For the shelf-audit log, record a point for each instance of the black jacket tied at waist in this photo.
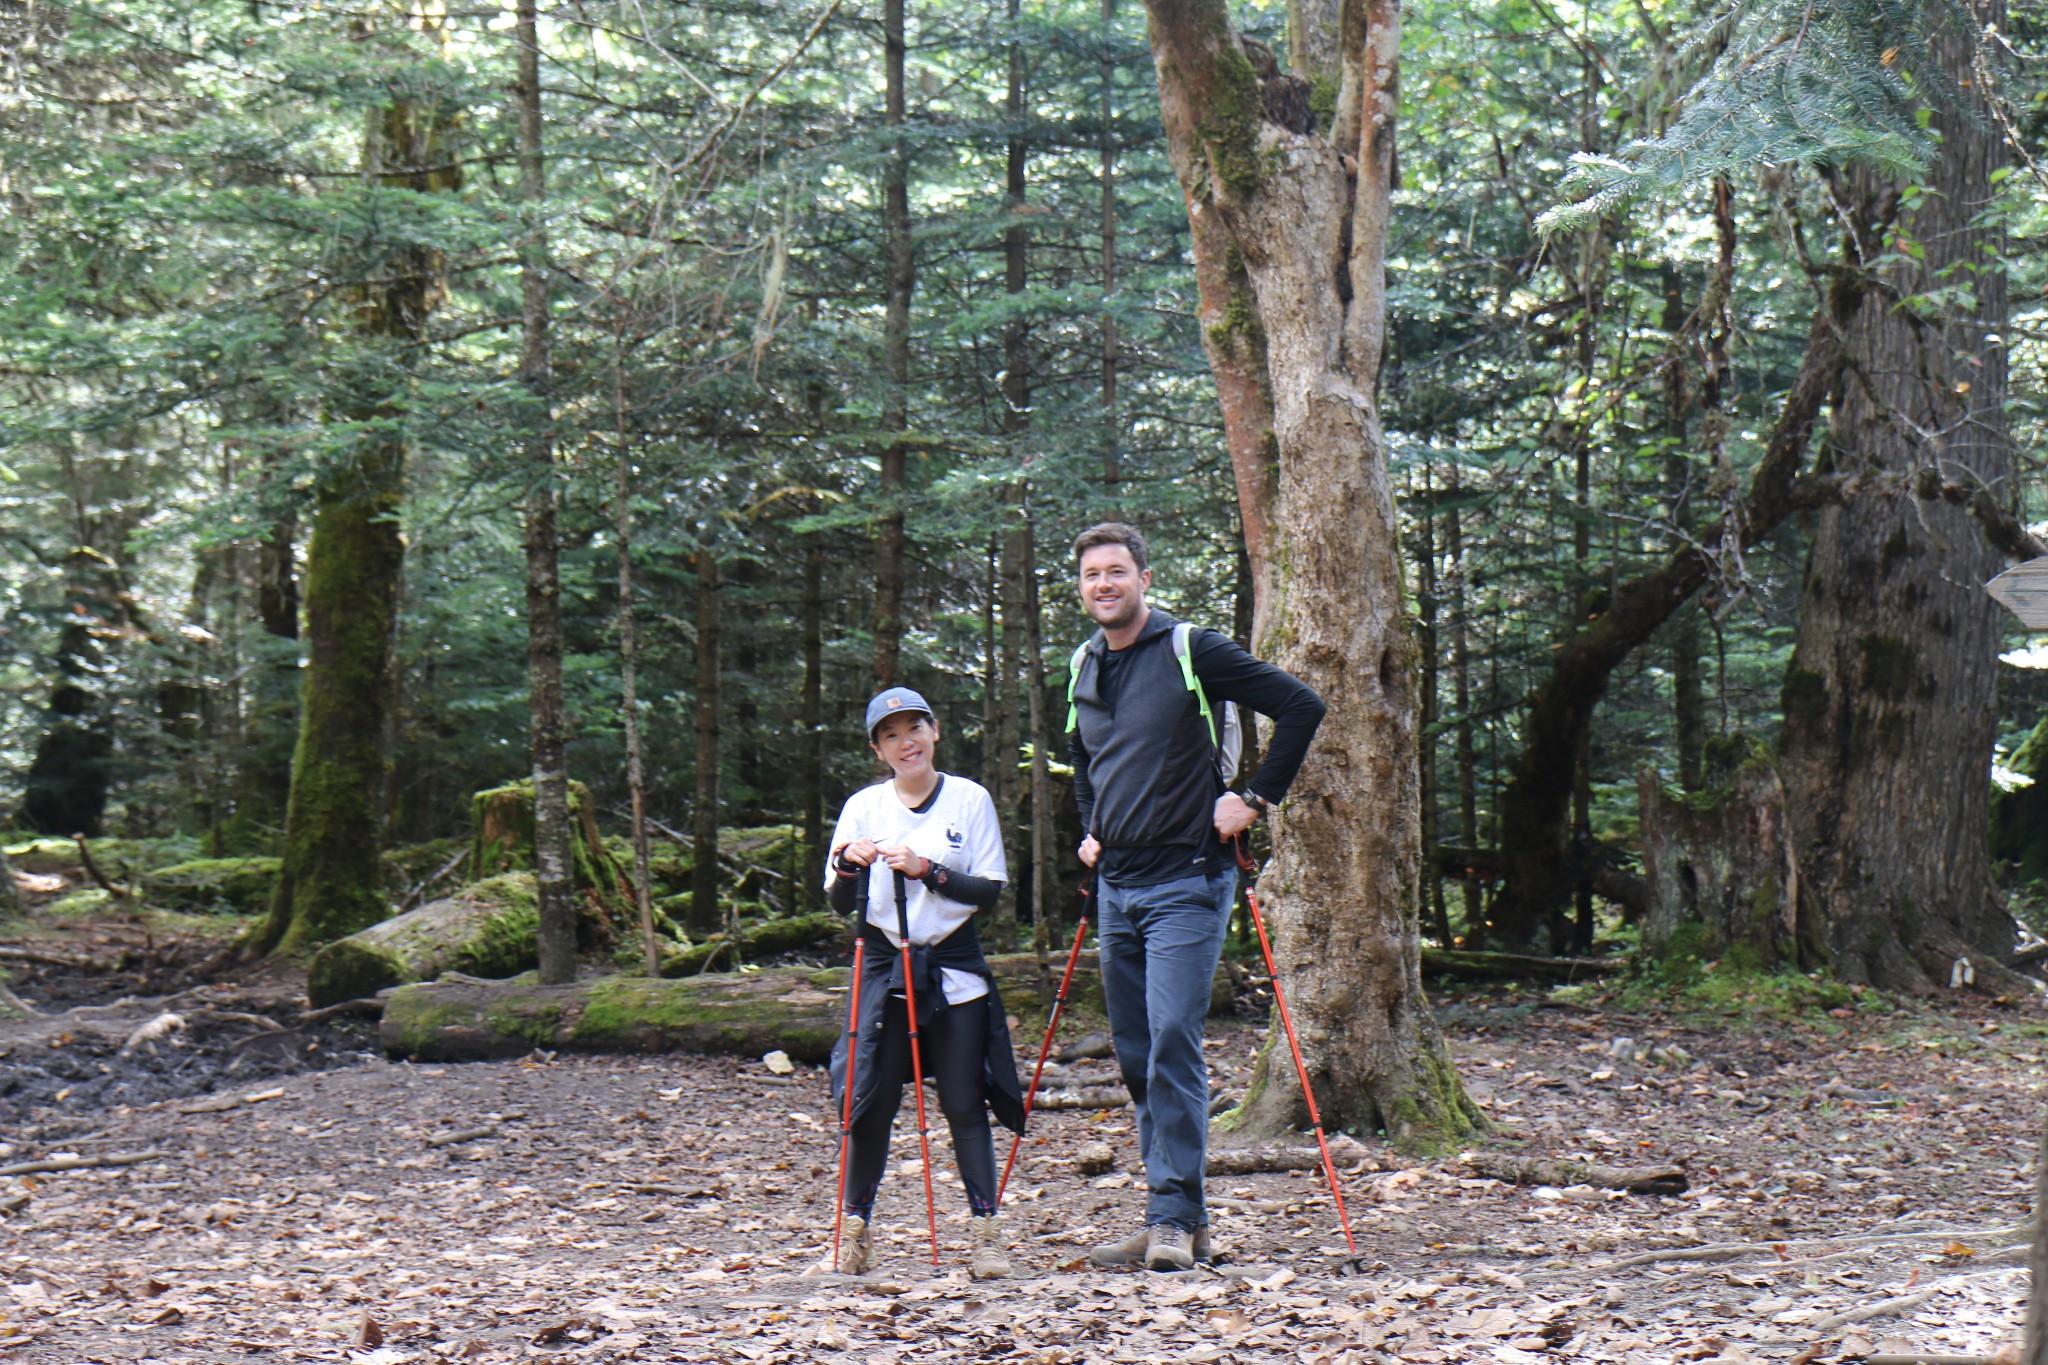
(882, 976)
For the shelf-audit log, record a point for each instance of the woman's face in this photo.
(906, 744)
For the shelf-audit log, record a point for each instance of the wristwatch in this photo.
(1256, 802)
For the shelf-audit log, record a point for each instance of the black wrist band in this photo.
(1256, 802)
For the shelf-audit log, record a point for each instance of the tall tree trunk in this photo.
(1890, 699)
(264, 774)
(1112, 433)
(549, 731)
(355, 561)
(1275, 217)
(1426, 601)
(704, 915)
(1534, 808)
(629, 687)
(899, 277)
(811, 763)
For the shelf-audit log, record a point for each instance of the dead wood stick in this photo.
(80, 1163)
(1904, 1303)
(42, 959)
(1523, 1170)
(1101, 1097)
(733, 860)
(12, 1202)
(676, 1191)
(412, 897)
(92, 870)
(461, 1135)
(1251, 1160)
(366, 1005)
(1731, 1250)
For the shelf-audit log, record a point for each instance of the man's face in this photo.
(1112, 586)
(905, 742)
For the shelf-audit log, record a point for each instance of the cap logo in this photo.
(895, 702)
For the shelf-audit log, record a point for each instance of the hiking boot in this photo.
(989, 1261)
(856, 1247)
(1170, 1248)
(1131, 1250)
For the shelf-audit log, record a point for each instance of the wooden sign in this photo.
(2023, 590)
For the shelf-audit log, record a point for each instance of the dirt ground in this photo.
(1857, 1182)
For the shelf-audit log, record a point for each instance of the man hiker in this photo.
(1146, 729)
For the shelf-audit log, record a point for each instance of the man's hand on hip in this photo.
(1233, 816)
(1090, 850)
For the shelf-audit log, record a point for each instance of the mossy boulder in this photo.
(239, 886)
(487, 929)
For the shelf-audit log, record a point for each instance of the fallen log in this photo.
(1479, 966)
(1523, 1170)
(758, 939)
(488, 929)
(1094, 1097)
(800, 1011)
(1273, 1157)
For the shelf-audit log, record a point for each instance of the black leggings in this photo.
(951, 1047)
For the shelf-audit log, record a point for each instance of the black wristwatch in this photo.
(1256, 802)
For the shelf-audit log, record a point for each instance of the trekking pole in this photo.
(860, 919)
(924, 1141)
(1059, 1003)
(1251, 873)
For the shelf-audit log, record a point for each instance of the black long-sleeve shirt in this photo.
(1159, 829)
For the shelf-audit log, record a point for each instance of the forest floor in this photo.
(1858, 1178)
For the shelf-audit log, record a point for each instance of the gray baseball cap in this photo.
(895, 701)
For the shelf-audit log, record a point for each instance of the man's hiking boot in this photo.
(856, 1247)
(990, 1262)
(1171, 1248)
(1134, 1249)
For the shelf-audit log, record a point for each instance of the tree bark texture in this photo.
(1890, 699)
(629, 705)
(502, 838)
(549, 737)
(899, 278)
(1289, 256)
(704, 916)
(12, 901)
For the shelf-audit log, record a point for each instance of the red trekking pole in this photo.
(860, 919)
(1059, 1003)
(924, 1142)
(1251, 872)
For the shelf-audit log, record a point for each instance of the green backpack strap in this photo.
(1074, 681)
(1184, 651)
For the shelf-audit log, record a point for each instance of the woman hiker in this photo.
(940, 833)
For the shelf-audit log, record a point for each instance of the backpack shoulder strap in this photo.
(1183, 650)
(1074, 681)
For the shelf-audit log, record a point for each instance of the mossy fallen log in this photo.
(743, 1014)
(488, 929)
(759, 939)
(241, 886)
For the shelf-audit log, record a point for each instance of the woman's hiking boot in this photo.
(1171, 1248)
(990, 1262)
(856, 1247)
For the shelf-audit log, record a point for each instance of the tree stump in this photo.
(1720, 869)
(501, 820)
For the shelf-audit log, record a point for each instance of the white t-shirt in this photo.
(957, 827)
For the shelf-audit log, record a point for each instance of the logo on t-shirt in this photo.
(954, 837)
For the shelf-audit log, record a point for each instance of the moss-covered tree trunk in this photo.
(548, 724)
(1289, 231)
(12, 901)
(329, 884)
(1889, 703)
(489, 929)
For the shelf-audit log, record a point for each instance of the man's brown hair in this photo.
(1111, 533)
